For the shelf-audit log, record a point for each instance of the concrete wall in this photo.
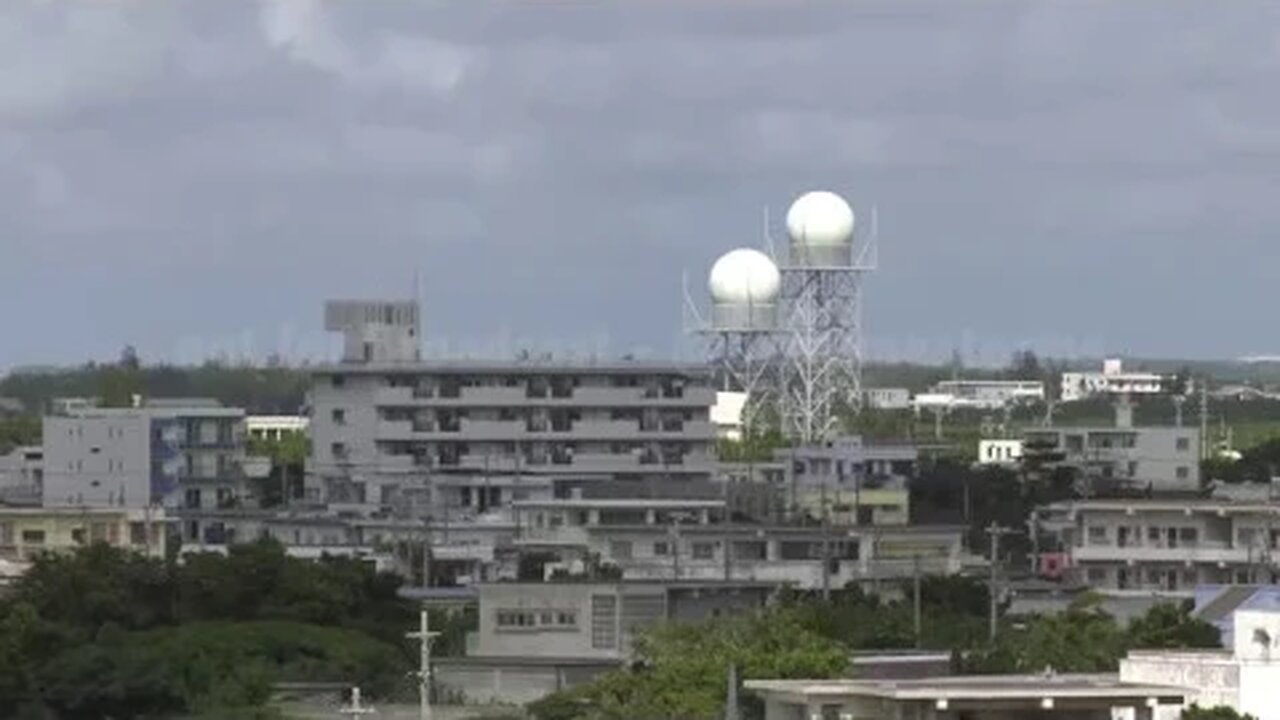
(512, 682)
(97, 461)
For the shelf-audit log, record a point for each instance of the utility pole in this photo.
(995, 531)
(915, 578)
(355, 709)
(424, 636)
(1204, 419)
(826, 547)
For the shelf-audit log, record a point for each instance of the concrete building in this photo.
(1113, 380)
(1159, 459)
(376, 331)
(537, 638)
(275, 427)
(187, 455)
(22, 476)
(1218, 604)
(26, 532)
(726, 414)
(849, 481)
(392, 437)
(983, 697)
(649, 539)
(1166, 547)
(887, 398)
(979, 394)
(1244, 676)
(1004, 451)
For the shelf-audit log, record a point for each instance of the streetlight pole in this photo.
(424, 636)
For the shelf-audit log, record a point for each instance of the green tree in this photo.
(1218, 712)
(1170, 625)
(1083, 638)
(681, 670)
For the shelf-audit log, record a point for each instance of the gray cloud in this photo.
(1081, 175)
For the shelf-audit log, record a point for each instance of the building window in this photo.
(339, 381)
(1183, 444)
(1098, 535)
(137, 533)
(35, 537)
(620, 549)
(339, 416)
(661, 548)
(604, 617)
(703, 550)
(1096, 576)
(1183, 472)
(338, 449)
(1188, 535)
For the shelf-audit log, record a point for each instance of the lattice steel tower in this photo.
(822, 270)
(743, 333)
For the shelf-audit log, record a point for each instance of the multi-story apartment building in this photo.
(693, 539)
(22, 475)
(187, 455)
(1166, 546)
(475, 435)
(1161, 459)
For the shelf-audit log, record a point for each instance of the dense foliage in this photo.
(109, 633)
(680, 671)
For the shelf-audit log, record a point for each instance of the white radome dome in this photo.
(744, 276)
(820, 218)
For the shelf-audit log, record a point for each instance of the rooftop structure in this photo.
(376, 330)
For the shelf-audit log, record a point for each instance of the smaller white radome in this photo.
(744, 276)
(820, 218)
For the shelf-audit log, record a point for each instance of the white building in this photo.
(999, 451)
(1113, 380)
(275, 427)
(726, 414)
(1243, 677)
(887, 398)
(980, 394)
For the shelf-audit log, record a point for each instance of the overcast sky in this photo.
(197, 177)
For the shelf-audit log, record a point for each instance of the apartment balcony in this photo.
(1203, 552)
(565, 535)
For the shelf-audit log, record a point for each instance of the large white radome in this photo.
(744, 276)
(820, 218)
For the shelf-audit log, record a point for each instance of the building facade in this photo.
(1166, 547)
(475, 436)
(980, 394)
(1159, 459)
(272, 428)
(188, 456)
(27, 532)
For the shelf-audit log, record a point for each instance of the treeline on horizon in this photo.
(277, 387)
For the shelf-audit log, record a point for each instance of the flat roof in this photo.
(673, 584)
(1174, 505)
(974, 687)
(539, 367)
